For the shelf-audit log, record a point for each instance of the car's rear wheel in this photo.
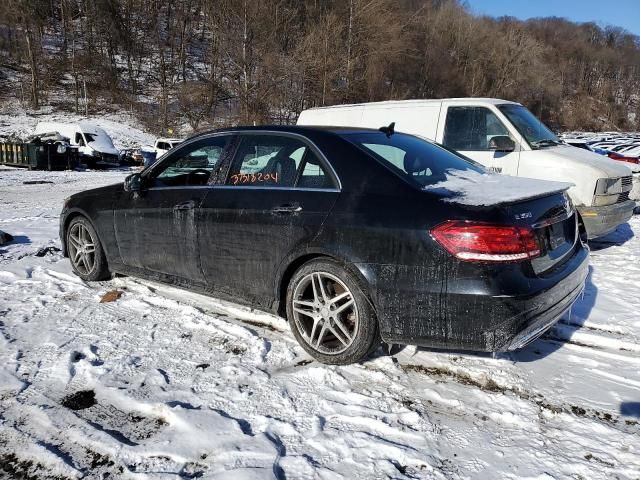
(85, 251)
(330, 315)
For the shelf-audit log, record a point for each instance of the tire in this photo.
(90, 264)
(338, 327)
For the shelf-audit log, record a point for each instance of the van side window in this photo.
(79, 139)
(471, 128)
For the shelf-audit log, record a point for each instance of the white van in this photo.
(94, 144)
(507, 138)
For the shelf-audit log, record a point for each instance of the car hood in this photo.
(101, 142)
(607, 168)
(104, 148)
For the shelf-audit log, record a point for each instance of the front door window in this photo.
(192, 165)
(469, 129)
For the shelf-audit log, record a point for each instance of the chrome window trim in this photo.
(307, 140)
(185, 187)
(292, 189)
(247, 187)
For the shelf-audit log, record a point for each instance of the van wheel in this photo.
(85, 251)
(330, 316)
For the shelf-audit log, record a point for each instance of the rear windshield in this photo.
(411, 157)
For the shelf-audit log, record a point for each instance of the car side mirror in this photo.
(502, 143)
(133, 183)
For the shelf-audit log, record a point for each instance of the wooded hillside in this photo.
(240, 61)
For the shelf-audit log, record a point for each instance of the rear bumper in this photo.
(497, 309)
(600, 221)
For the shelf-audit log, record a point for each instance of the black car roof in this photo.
(300, 129)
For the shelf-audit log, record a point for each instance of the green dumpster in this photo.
(40, 156)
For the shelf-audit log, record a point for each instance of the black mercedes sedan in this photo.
(353, 235)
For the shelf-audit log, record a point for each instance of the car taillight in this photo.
(483, 242)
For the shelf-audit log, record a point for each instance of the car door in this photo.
(469, 129)
(156, 228)
(277, 191)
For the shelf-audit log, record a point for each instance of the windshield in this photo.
(532, 129)
(99, 140)
(411, 157)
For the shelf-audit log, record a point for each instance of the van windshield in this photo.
(411, 157)
(533, 130)
(99, 140)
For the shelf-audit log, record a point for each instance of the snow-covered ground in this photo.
(163, 383)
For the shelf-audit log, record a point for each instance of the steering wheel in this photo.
(199, 176)
(199, 171)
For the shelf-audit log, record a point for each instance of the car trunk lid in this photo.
(554, 221)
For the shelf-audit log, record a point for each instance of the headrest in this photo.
(312, 158)
(285, 162)
(413, 163)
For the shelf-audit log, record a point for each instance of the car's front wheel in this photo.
(85, 251)
(330, 315)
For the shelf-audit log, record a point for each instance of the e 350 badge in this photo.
(523, 215)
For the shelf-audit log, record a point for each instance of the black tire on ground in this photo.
(360, 317)
(99, 269)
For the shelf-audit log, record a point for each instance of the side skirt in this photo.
(266, 305)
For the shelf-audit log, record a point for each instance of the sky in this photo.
(621, 13)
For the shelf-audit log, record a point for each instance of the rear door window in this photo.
(277, 161)
(313, 174)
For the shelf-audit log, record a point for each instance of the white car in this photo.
(505, 137)
(163, 145)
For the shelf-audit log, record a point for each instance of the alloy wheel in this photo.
(82, 248)
(325, 313)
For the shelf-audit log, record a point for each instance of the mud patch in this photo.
(80, 400)
(15, 468)
(266, 326)
(489, 385)
(47, 251)
(593, 458)
(111, 296)
(77, 356)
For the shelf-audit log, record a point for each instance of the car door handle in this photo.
(289, 208)
(190, 205)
